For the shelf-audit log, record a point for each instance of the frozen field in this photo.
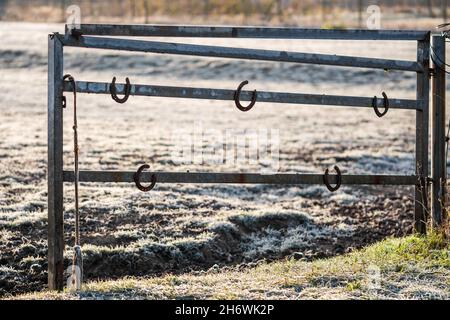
(177, 228)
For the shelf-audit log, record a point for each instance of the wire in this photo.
(445, 34)
(77, 259)
(443, 69)
(439, 60)
(447, 139)
(443, 25)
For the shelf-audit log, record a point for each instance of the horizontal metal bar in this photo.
(238, 53)
(222, 94)
(238, 178)
(247, 32)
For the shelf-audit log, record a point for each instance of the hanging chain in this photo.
(447, 139)
(77, 261)
(75, 151)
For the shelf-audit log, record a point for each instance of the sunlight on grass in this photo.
(400, 261)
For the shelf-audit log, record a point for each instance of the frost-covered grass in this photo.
(177, 228)
(413, 267)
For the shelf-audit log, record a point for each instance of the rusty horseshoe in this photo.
(385, 102)
(237, 95)
(338, 181)
(113, 91)
(137, 178)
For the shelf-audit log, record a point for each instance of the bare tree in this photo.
(360, 13)
(62, 4)
(206, 7)
(133, 8)
(324, 5)
(444, 10)
(430, 8)
(279, 8)
(146, 11)
(3, 6)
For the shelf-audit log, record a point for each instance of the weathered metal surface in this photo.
(222, 94)
(247, 32)
(55, 165)
(238, 178)
(239, 53)
(438, 160)
(422, 124)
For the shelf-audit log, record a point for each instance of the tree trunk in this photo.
(3, 6)
(323, 9)
(132, 8)
(146, 11)
(279, 9)
(205, 8)
(360, 13)
(444, 10)
(430, 8)
(63, 9)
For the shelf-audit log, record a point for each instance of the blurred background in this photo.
(323, 13)
(181, 228)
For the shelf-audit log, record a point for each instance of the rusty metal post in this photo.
(422, 138)
(55, 164)
(438, 158)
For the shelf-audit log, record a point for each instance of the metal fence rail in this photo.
(221, 94)
(247, 32)
(239, 178)
(239, 53)
(93, 37)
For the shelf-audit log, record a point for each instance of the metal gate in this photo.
(96, 37)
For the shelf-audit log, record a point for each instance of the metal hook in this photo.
(385, 102)
(338, 181)
(113, 91)
(72, 81)
(237, 95)
(76, 33)
(137, 177)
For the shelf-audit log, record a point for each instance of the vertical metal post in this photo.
(422, 134)
(55, 165)
(438, 157)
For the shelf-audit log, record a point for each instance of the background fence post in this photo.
(422, 137)
(55, 165)
(438, 152)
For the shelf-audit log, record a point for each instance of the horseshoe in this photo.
(237, 95)
(113, 91)
(339, 179)
(385, 102)
(137, 177)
